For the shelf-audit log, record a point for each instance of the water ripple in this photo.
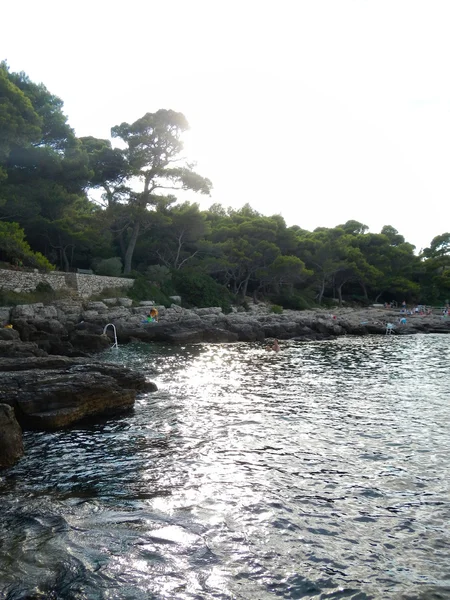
(319, 472)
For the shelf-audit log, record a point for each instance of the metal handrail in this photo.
(115, 345)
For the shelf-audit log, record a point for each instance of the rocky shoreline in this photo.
(53, 392)
(75, 328)
(48, 379)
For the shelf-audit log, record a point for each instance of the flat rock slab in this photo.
(56, 391)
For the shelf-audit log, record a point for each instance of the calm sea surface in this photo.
(320, 472)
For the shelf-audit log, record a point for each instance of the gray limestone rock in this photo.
(127, 302)
(100, 307)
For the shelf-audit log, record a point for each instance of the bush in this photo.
(145, 290)
(159, 273)
(358, 300)
(293, 301)
(200, 290)
(111, 267)
(14, 247)
(245, 305)
(277, 309)
(43, 287)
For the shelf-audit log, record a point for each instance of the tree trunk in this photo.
(339, 291)
(130, 248)
(244, 288)
(123, 249)
(322, 291)
(364, 289)
(65, 260)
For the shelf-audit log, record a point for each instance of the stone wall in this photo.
(84, 285)
(90, 285)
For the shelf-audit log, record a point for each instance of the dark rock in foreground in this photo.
(11, 444)
(56, 391)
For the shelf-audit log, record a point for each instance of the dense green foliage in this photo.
(14, 248)
(111, 267)
(198, 289)
(143, 289)
(209, 257)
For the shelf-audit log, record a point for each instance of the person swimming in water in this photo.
(275, 347)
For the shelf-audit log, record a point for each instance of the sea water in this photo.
(321, 471)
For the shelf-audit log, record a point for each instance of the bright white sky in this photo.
(319, 110)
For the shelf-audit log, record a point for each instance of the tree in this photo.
(153, 154)
(323, 253)
(439, 247)
(54, 129)
(20, 124)
(436, 261)
(15, 248)
(393, 264)
(354, 227)
(285, 270)
(47, 169)
(109, 169)
(244, 244)
(176, 241)
(395, 239)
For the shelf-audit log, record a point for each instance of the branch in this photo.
(166, 262)
(163, 187)
(180, 245)
(186, 259)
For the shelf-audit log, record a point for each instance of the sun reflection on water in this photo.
(322, 470)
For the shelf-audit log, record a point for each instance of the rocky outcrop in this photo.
(57, 391)
(17, 348)
(74, 328)
(11, 444)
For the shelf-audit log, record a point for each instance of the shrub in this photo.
(111, 267)
(159, 273)
(145, 290)
(14, 247)
(245, 305)
(276, 309)
(43, 287)
(200, 290)
(293, 301)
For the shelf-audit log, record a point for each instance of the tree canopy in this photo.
(68, 202)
